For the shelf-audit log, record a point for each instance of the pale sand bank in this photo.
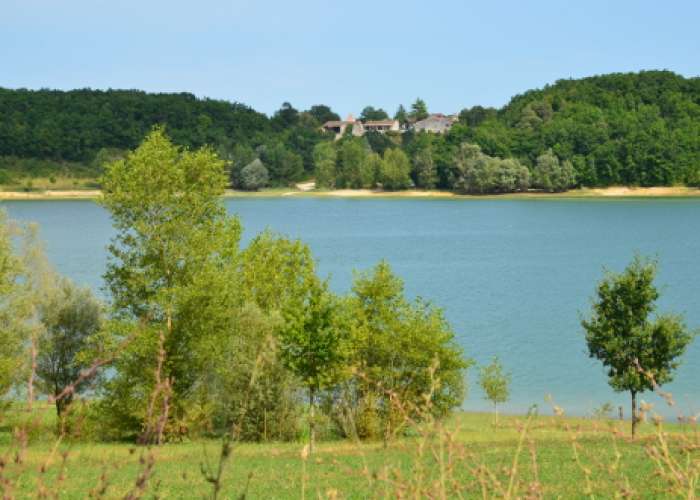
(306, 190)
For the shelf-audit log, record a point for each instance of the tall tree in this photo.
(169, 271)
(323, 113)
(369, 113)
(638, 351)
(419, 110)
(325, 157)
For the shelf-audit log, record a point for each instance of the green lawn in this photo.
(428, 463)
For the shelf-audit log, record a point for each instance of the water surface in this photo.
(512, 275)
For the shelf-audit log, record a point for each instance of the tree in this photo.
(70, 316)
(323, 113)
(551, 175)
(401, 115)
(170, 277)
(419, 110)
(369, 113)
(284, 166)
(285, 117)
(370, 170)
(313, 344)
(638, 351)
(495, 384)
(12, 308)
(403, 348)
(254, 176)
(352, 153)
(395, 170)
(424, 168)
(325, 157)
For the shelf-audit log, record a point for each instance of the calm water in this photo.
(512, 275)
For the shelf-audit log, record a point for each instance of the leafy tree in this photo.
(401, 347)
(325, 157)
(638, 351)
(323, 113)
(285, 117)
(169, 275)
(419, 110)
(369, 113)
(425, 169)
(371, 170)
(476, 172)
(395, 170)
(254, 176)
(70, 316)
(313, 344)
(495, 384)
(352, 153)
(401, 115)
(283, 165)
(551, 175)
(12, 308)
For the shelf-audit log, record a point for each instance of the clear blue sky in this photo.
(347, 54)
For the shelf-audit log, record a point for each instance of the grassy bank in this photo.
(552, 457)
(86, 191)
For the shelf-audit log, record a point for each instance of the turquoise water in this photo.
(512, 275)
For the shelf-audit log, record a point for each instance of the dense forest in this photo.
(632, 129)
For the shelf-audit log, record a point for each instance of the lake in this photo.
(513, 276)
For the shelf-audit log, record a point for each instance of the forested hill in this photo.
(632, 128)
(75, 125)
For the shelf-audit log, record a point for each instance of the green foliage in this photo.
(476, 172)
(369, 113)
(401, 348)
(551, 175)
(637, 350)
(70, 316)
(371, 170)
(254, 176)
(325, 156)
(283, 165)
(395, 170)
(352, 153)
(323, 113)
(12, 308)
(419, 110)
(424, 168)
(168, 271)
(495, 382)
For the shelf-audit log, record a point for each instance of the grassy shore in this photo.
(555, 457)
(610, 192)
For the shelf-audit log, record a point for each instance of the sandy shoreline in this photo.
(610, 192)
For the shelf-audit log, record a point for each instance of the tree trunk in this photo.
(312, 420)
(634, 412)
(495, 412)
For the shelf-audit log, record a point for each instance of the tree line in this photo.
(631, 129)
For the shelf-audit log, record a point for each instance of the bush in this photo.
(254, 176)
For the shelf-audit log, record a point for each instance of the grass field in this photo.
(466, 457)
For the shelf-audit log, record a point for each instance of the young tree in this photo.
(70, 316)
(495, 384)
(639, 351)
(313, 344)
(396, 345)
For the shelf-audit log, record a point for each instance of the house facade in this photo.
(338, 127)
(436, 123)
